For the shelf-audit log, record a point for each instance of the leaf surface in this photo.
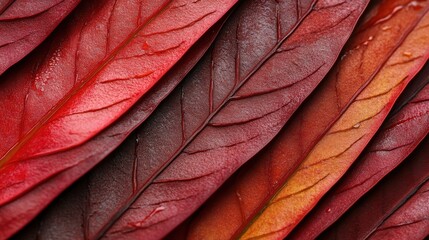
(374, 42)
(398, 137)
(383, 200)
(410, 221)
(24, 24)
(196, 139)
(17, 213)
(344, 141)
(107, 57)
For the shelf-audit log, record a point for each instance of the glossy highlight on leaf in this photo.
(24, 24)
(108, 56)
(248, 191)
(383, 200)
(398, 137)
(197, 138)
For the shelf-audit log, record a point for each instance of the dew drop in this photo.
(365, 43)
(386, 28)
(371, 38)
(239, 196)
(357, 125)
(328, 210)
(159, 209)
(407, 54)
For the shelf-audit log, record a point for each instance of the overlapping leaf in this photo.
(20, 211)
(374, 42)
(382, 201)
(280, 50)
(93, 71)
(36, 84)
(345, 140)
(396, 140)
(410, 221)
(24, 24)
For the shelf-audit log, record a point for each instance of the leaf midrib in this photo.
(76, 88)
(271, 53)
(272, 194)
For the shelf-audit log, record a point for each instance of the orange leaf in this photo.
(344, 141)
(383, 31)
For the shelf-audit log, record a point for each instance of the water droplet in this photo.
(407, 54)
(371, 38)
(357, 125)
(328, 210)
(385, 28)
(159, 209)
(239, 196)
(365, 43)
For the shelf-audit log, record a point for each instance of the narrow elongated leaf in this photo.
(24, 24)
(280, 51)
(107, 56)
(248, 191)
(397, 139)
(17, 213)
(344, 141)
(383, 200)
(410, 221)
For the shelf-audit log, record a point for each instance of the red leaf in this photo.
(24, 24)
(108, 56)
(368, 213)
(20, 211)
(410, 221)
(197, 138)
(399, 136)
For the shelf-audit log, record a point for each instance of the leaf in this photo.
(410, 221)
(25, 24)
(108, 56)
(384, 199)
(236, 204)
(196, 139)
(17, 213)
(344, 141)
(398, 137)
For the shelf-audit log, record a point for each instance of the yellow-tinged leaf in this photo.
(344, 141)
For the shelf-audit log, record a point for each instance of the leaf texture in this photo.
(108, 56)
(410, 221)
(24, 24)
(344, 141)
(383, 200)
(235, 205)
(196, 138)
(18, 212)
(398, 137)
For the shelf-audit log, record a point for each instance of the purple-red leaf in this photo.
(24, 24)
(398, 137)
(410, 221)
(385, 198)
(328, 133)
(267, 60)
